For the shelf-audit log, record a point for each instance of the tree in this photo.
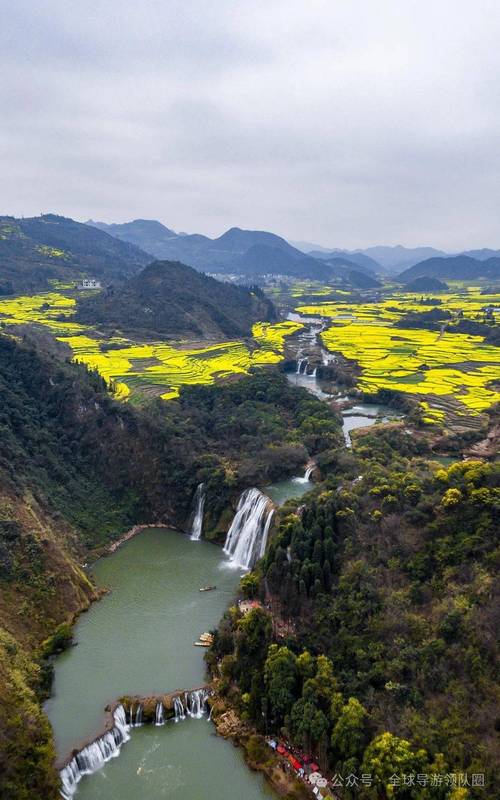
(388, 757)
(320, 689)
(252, 640)
(349, 734)
(280, 677)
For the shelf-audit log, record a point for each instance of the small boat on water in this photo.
(207, 588)
(206, 639)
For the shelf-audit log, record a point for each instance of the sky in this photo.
(346, 123)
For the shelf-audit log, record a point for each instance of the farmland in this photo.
(430, 364)
(135, 370)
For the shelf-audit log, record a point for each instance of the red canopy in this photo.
(314, 767)
(282, 750)
(295, 764)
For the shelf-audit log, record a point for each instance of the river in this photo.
(139, 640)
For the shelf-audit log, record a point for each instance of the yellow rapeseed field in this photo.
(136, 368)
(416, 361)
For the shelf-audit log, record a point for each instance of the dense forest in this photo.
(376, 647)
(174, 300)
(77, 470)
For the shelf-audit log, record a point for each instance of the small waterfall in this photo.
(199, 504)
(302, 366)
(159, 714)
(313, 373)
(196, 703)
(309, 471)
(247, 535)
(307, 475)
(95, 755)
(179, 711)
(265, 534)
(138, 717)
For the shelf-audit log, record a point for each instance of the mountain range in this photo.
(462, 267)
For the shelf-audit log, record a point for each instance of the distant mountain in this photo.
(248, 253)
(426, 284)
(173, 300)
(357, 261)
(453, 268)
(148, 234)
(309, 247)
(483, 254)
(397, 258)
(361, 280)
(261, 259)
(37, 249)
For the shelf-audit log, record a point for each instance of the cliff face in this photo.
(41, 588)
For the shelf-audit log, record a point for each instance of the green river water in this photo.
(139, 640)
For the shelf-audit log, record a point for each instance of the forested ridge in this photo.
(379, 648)
(171, 299)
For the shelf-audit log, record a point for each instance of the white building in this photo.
(90, 283)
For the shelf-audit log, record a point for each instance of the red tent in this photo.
(314, 767)
(295, 764)
(281, 750)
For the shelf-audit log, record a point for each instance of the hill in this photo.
(397, 258)
(453, 268)
(174, 300)
(361, 280)
(263, 259)
(36, 250)
(357, 261)
(426, 284)
(148, 234)
(244, 252)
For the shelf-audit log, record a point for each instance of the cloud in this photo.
(347, 123)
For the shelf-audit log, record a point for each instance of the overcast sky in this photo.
(342, 122)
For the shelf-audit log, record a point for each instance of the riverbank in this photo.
(258, 756)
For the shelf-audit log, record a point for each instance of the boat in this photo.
(202, 644)
(206, 637)
(207, 588)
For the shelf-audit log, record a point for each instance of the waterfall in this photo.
(309, 471)
(199, 504)
(138, 717)
(95, 755)
(159, 714)
(307, 475)
(196, 703)
(313, 373)
(179, 709)
(302, 365)
(265, 534)
(247, 535)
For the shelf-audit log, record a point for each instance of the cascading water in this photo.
(199, 505)
(95, 755)
(138, 717)
(302, 366)
(247, 536)
(159, 714)
(179, 712)
(307, 475)
(196, 703)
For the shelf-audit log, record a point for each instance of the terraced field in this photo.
(437, 365)
(136, 370)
